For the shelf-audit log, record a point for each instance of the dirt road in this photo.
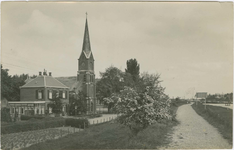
(194, 132)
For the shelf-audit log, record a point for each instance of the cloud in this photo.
(41, 24)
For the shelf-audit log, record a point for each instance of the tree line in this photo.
(10, 85)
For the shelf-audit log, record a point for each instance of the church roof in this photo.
(86, 49)
(44, 81)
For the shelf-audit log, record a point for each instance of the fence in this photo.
(102, 119)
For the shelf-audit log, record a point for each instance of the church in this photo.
(86, 74)
(36, 93)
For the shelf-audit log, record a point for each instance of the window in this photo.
(84, 78)
(91, 65)
(22, 110)
(50, 94)
(39, 95)
(64, 94)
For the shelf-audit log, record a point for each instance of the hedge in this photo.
(78, 123)
(5, 114)
(24, 117)
(32, 124)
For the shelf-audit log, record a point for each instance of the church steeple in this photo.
(86, 41)
(85, 74)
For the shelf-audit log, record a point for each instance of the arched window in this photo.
(91, 78)
(91, 65)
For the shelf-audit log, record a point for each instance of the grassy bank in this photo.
(114, 136)
(219, 117)
(108, 136)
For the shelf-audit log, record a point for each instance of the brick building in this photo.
(37, 93)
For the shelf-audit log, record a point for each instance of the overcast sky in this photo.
(189, 43)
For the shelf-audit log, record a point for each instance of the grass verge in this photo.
(112, 135)
(219, 117)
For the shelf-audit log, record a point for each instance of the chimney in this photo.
(45, 73)
(50, 74)
(40, 73)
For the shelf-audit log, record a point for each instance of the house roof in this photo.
(72, 82)
(44, 81)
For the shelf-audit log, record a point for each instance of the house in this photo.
(36, 94)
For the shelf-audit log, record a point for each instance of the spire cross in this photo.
(86, 14)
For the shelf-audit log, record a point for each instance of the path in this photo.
(194, 132)
(221, 105)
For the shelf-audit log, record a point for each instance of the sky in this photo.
(190, 44)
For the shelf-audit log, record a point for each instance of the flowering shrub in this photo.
(139, 110)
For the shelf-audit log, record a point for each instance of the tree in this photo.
(6, 83)
(78, 103)
(111, 82)
(55, 103)
(17, 81)
(139, 110)
(133, 68)
(5, 114)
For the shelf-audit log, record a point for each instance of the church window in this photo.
(91, 65)
(84, 78)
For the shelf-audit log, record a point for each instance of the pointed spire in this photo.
(86, 42)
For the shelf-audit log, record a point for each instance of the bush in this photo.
(5, 114)
(78, 123)
(33, 124)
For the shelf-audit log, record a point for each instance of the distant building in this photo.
(201, 95)
(37, 93)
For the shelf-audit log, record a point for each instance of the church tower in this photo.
(85, 74)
